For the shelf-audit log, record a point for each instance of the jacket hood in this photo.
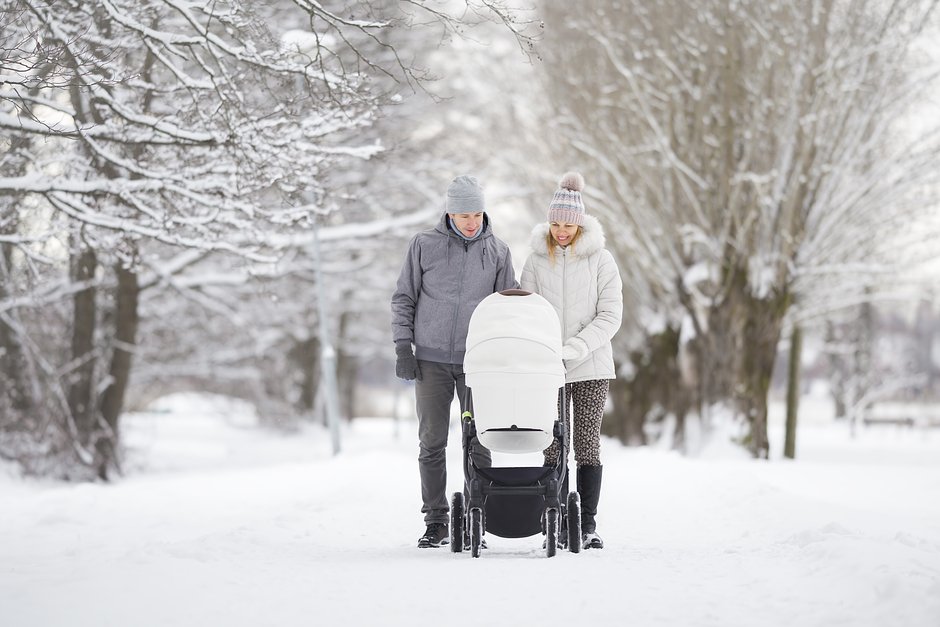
(591, 240)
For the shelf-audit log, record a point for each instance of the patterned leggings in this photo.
(588, 398)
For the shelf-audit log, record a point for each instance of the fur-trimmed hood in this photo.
(591, 240)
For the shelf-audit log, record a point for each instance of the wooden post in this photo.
(793, 392)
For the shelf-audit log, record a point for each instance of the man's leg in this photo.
(481, 455)
(434, 393)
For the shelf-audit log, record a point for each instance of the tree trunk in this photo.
(81, 400)
(793, 391)
(862, 365)
(346, 367)
(14, 367)
(924, 325)
(761, 333)
(719, 350)
(306, 355)
(624, 424)
(837, 370)
(125, 338)
(655, 391)
(347, 372)
(13, 364)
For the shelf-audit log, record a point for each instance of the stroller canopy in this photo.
(514, 368)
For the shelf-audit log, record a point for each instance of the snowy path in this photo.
(315, 540)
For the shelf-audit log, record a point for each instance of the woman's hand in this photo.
(574, 350)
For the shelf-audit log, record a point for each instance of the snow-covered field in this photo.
(219, 523)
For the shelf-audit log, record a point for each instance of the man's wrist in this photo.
(403, 347)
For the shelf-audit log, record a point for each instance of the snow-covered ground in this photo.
(220, 523)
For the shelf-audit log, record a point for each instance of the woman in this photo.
(570, 267)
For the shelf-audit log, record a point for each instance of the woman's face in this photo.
(563, 232)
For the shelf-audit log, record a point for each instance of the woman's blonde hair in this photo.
(550, 242)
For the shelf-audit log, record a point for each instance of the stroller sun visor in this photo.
(513, 367)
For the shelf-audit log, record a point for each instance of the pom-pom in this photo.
(572, 181)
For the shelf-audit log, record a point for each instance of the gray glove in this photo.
(406, 366)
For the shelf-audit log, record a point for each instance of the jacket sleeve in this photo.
(506, 274)
(609, 316)
(529, 282)
(405, 298)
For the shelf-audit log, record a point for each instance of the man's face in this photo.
(468, 223)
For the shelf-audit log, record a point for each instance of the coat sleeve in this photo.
(528, 281)
(405, 298)
(609, 316)
(506, 274)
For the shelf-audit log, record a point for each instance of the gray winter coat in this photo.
(443, 279)
(585, 288)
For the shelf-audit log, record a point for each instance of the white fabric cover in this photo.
(513, 367)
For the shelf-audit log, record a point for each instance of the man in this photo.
(448, 270)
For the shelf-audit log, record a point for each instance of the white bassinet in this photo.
(514, 369)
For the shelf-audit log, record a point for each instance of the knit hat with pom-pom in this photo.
(566, 205)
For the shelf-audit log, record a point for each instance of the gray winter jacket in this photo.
(585, 288)
(443, 279)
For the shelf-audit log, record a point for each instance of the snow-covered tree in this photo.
(180, 125)
(165, 166)
(748, 158)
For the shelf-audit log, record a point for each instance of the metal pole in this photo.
(327, 354)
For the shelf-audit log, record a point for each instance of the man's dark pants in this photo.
(434, 393)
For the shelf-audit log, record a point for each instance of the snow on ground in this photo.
(219, 522)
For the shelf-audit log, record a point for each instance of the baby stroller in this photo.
(515, 377)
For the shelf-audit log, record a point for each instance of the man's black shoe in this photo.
(436, 535)
(591, 541)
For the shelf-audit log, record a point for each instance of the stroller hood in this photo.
(514, 368)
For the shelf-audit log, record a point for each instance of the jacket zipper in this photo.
(564, 294)
(453, 331)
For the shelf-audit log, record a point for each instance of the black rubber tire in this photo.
(574, 522)
(457, 522)
(476, 531)
(551, 531)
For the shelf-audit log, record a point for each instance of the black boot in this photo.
(589, 487)
(436, 535)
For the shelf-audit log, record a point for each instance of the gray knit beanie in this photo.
(567, 205)
(464, 195)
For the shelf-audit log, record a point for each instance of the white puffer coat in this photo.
(585, 288)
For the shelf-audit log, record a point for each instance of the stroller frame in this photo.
(516, 502)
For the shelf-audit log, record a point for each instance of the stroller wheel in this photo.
(574, 522)
(457, 522)
(551, 531)
(476, 531)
